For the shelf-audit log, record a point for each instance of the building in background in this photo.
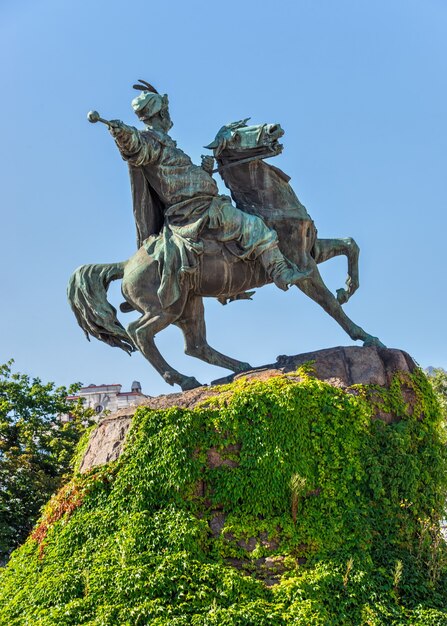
(108, 398)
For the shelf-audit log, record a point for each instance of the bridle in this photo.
(259, 157)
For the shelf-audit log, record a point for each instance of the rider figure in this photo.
(169, 189)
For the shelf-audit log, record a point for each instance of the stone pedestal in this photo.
(340, 367)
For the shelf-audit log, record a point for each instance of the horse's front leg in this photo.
(315, 288)
(192, 324)
(326, 249)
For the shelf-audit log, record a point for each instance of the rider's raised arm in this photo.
(136, 147)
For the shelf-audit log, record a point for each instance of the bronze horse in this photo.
(256, 187)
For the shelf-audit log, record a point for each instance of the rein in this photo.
(260, 157)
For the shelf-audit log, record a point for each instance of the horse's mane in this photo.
(259, 187)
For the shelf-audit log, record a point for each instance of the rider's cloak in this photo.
(148, 208)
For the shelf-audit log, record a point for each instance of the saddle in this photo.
(230, 251)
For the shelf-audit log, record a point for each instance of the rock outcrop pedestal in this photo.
(287, 497)
(340, 367)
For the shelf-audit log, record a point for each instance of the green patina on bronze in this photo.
(194, 242)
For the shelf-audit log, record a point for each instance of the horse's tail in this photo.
(87, 294)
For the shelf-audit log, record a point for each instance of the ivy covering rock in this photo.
(279, 501)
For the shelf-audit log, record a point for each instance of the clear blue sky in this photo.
(360, 89)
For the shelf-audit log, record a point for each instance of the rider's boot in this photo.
(279, 270)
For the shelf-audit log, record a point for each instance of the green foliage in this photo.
(345, 507)
(438, 380)
(35, 449)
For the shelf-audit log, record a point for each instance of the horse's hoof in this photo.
(373, 341)
(190, 383)
(342, 296)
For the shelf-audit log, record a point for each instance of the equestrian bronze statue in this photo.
(194, 242)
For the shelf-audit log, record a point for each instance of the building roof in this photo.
(92, 386)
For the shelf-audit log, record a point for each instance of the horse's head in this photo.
(238, 140)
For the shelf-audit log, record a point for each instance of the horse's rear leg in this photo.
(325, 249)
(192, 324)
(315, 288)
(142, 331)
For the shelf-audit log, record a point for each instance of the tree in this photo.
(438, 378)
(36, 449)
